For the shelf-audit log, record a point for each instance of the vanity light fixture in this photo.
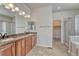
(27, 16)
(14, 8)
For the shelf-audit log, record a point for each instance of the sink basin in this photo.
(74, 39)
(6, 40)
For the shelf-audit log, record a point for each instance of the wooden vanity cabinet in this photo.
(21, 47)
(18, 47)
(28, 44)
(34, 40)
(8, 50)
(23, 50)
(13, 49)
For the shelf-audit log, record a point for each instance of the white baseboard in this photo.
(43, 45)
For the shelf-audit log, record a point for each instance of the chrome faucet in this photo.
(3, 36)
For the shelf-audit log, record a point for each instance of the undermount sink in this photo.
(6, 40)
(74, 39)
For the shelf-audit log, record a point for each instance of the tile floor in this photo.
(58, 50)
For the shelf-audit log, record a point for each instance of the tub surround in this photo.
(74, 45)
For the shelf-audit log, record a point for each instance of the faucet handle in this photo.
(3, 36)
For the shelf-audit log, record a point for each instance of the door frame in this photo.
(62, 31)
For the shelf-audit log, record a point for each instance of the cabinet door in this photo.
(13, 49)
(23, 47)
(30, 42)
(33, 39)
(18, 48)
(27, 45)
(7, 50)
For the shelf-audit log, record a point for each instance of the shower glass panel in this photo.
(69, 28)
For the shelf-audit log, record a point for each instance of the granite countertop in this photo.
(13, 38)
(6, 41)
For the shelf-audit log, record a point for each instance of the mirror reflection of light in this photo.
(13, 10)
(7, 7)
(16, 8)
(11, 5)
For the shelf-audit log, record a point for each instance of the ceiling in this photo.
(64, 6)
(37, 5)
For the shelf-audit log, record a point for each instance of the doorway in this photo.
(57, 30)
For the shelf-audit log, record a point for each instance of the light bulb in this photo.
(11, 5)
(17, 9)
(23, 13)
(28, 16)
(25, 16)
(7, 7)
(13, 10)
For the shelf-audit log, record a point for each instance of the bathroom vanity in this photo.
(18, 45)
